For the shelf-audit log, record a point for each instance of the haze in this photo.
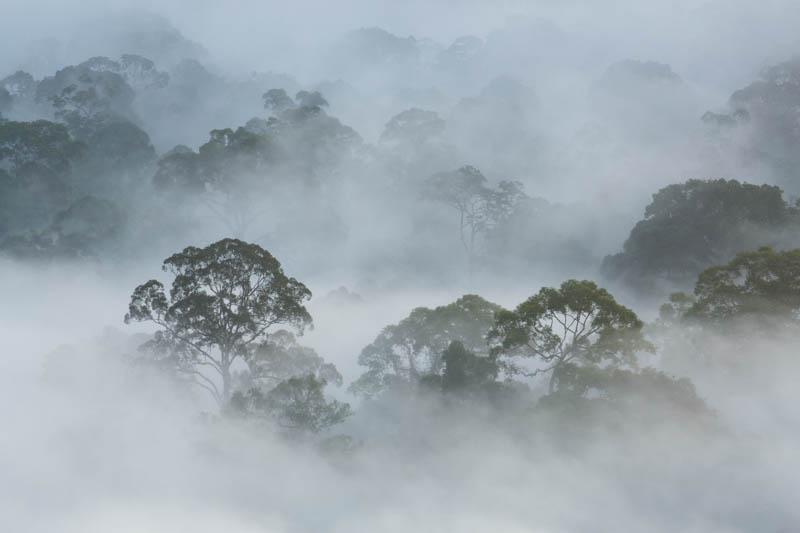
(261, 266)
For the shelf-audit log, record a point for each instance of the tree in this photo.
(762, 284)
(297, 403)
(232, 165)
(310, 99)
(279, 357)
(20, 86)
(754, 298)
(414, 126)
(623, 396)
(518, 245)
(764, 116)
(225, 174)
(405, 352)
(223, 301)
(233, 170)
(41, 144)
(179, 172)
(81, 109)
(285, 382)
(87, 226)
(464, 370)
(691, 226)
(578, 323)
(480, 208)
(470, 379)
(87, 92)
(37, 161)
(315, 141)
(119, 153)
(137, 71)
(277, 101)
(6, 100)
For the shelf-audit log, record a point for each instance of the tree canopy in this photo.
(414, 126)
(37, 160)
(577, 324)
(223, 301)
(405, 352)
(763, 285)
(480, 208)
(691, 226)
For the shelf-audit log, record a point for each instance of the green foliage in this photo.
(753, 300)
(592, 398)
(480, 208)
(6, 100)
(227, 172)
(228, 153)
(315, 141)
(762, 285)
(297, 404)
(41, 145)
(578, 323)
(116, 147)
(469, 379)
(48, 172)
(280, 357)
(223, 300)
(277, 101)
(404, 353)
(20, 86)
(137, 71)
(179, 171)
(463, 370)
(285, 383)
(310, 99)
(119, 145)
(37, 160)
(691, 226)
(672, 312)
(89, 226)
(82, 93)
(81, 109)
(763, 117)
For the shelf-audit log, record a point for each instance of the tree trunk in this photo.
(225, 368)
(552, 385)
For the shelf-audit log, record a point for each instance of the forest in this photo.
(501, 267)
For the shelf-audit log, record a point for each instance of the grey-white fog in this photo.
(421, 169)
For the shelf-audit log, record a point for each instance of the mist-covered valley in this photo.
(421, 266)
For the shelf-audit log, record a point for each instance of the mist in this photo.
(378, 266)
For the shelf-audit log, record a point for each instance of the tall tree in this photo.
(405, 352)
(691, 226)
(223, 301)
(277, 101)
(479, 207)
(465, 371)
(762, 284)
(36, 163)
(577, 324)
(297, 403)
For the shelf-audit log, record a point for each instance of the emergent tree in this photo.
(223, 301)
(576, 324)
(479, 206)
